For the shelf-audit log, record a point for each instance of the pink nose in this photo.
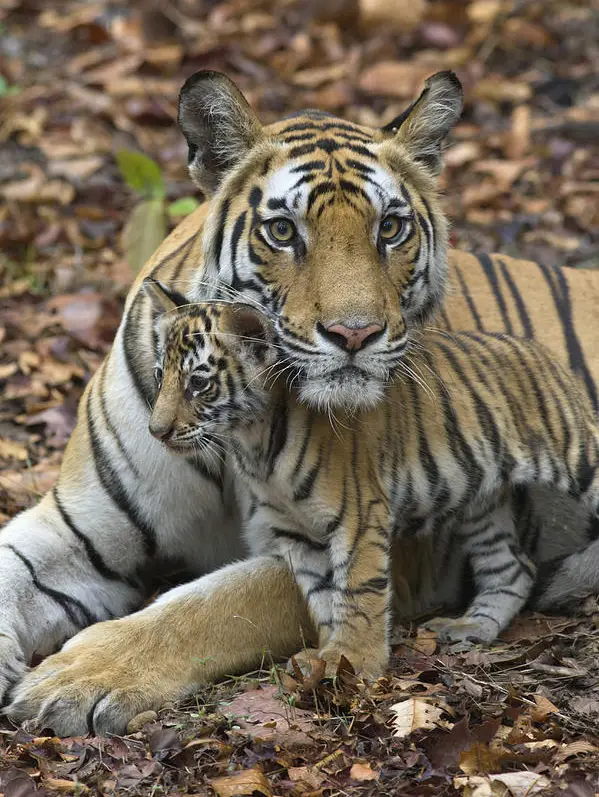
(353, 338)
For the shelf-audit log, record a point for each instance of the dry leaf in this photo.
(399, 16)
(481, 758)
(543, 708)
(65, 786)
(362, 772)
(10, 449)
(574, 749)
(522, 784)
(425, 642)
(310, 776)
(394, 78)
(242, 783)
(144, 232)
(418, 714)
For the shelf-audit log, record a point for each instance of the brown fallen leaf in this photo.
(260, 714)
(10, 449)
(425, 642)
(310, 776)
(65, 786)
(522, 784)
(575, 749)
(394, 78)
(363, 771)
(242, 783)
(418, 714)
(543, 708)
(400, 16)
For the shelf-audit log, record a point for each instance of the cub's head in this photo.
(333, 227)
(212, 373)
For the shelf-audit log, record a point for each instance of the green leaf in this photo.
(141, 173)
(5, 89)
(183, 206)
(144, 232)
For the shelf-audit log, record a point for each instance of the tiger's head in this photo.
(213, 371)
(335, 229)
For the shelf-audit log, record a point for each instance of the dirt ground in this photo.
(83, 81)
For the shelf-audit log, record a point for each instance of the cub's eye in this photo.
(391, 228)
(158, 376)
(199, 384)
(282, 230)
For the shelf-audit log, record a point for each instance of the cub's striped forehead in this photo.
(188, 332)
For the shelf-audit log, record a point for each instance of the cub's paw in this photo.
(371, 666)
(466, 631)
(101, 679)
(13, 666)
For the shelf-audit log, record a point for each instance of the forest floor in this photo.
(81, 81)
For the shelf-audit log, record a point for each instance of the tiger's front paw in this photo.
(100, 680)
(466, 631)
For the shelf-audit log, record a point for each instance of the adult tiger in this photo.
(364, 256)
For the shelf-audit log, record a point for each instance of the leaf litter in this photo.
(93, 175)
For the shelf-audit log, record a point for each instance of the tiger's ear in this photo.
(423, 126)
(219, 125)
(163, 299)
(251, 330)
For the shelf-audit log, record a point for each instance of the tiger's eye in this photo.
(281, 230)
(199, 384)
(158, 376)
(390, 228)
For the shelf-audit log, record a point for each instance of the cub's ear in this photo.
(250, 329)
(423, 126)
(163, 299)
(219, 125)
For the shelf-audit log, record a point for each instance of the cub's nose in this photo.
(351, 338)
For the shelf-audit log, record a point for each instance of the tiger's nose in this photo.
(351, 338)
(163, 433)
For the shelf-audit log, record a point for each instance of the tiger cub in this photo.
(441, 455)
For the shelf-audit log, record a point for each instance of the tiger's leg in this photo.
(503, 577)
(242, 616)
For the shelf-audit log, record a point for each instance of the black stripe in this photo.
(110, 425)
(66, 602)
(304, 489)
(220, 232)
(479, 325)
(113, 485)
(278, 436)
(132, 346)
(487, 266)
(295, 536)
(527, 329)
(563, 305)
(93, 554)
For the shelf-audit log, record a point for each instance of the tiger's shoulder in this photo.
(559, 307)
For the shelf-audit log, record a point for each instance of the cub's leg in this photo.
(360, 593)
(230, 621)
(503, 577)
(345, 581)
